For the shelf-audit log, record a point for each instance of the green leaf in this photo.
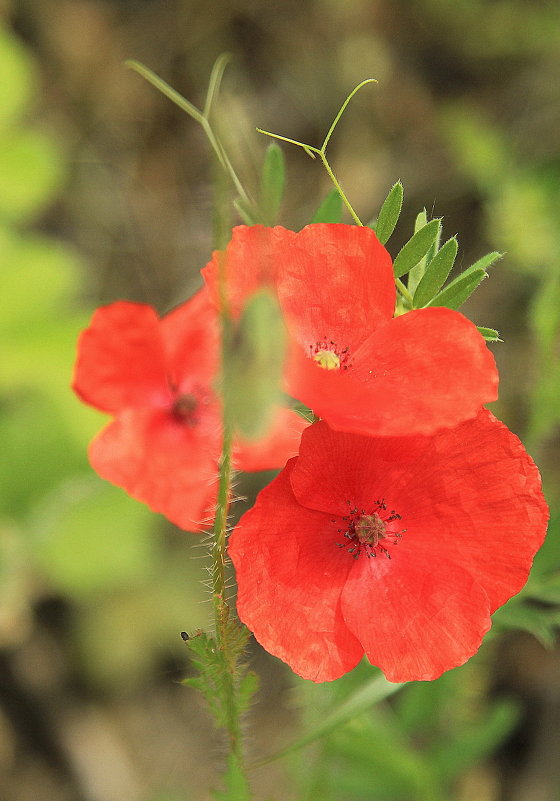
(489, 334)
(389, 213)
(254, 368)
(415, 275)
(546, 590)
(365, 696)
(436, 273)
(485, 262)
(541, 623)
(272, 183)
(452, 756)
(416, 248)
(330, 210)
(459, 290)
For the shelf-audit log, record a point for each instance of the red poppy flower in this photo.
(350, 360)
(397, 548)
(156, 376)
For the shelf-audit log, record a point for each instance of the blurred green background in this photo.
(105, 193)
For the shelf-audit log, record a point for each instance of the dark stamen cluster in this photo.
(330, 344)
(365, 530)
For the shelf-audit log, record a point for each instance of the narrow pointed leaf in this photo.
(389, 213)
(459, 290)
(415, 275)
(485, 262)
(272, 183)
(436, 273)
(330, 210)
(416, 248)
(367, 695)
(489, 334)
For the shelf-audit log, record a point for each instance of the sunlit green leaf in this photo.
(272, 183)
(330, 210)
(459, 290)
(436, 273)
(416, 248)
(389, 213)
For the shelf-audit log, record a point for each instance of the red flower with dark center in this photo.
(350, 360)
(156, 377)
(399, 548)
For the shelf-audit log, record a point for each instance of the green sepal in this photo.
(416, 248)
(489, 334)
(273, 178)
(389, 213)
(436, 273)
(459, 290)
(330, 210)
(246, 213)
(254, 366)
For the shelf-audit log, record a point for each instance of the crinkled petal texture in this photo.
(156, 377)
(121, 362)
(472, 516)
(420, 372)
(349, 360)
(167, 465)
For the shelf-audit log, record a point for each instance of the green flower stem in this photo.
(404, 291)
(222, 611)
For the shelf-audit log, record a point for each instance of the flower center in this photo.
(371, 531)
(328, 355)
(184, 409)
(327, 359)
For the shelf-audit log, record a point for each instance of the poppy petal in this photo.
(120, 359)
(191, 339)
(170, 466)
(249, 263)
(423, 371)
(335, 282)
(290, 586)
(475, 496)
(275, 447)
(415, 623)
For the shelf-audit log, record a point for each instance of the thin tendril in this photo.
(199, 116)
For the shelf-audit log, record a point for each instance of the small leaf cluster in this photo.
(223, 677)
(428, 263)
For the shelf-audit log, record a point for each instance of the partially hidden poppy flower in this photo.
(397, 548)
(349, 359)
(156, 377)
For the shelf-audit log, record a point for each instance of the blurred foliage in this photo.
(104, 193)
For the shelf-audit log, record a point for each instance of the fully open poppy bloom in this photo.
(156, 377)
(399, 548)
(350, 360)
